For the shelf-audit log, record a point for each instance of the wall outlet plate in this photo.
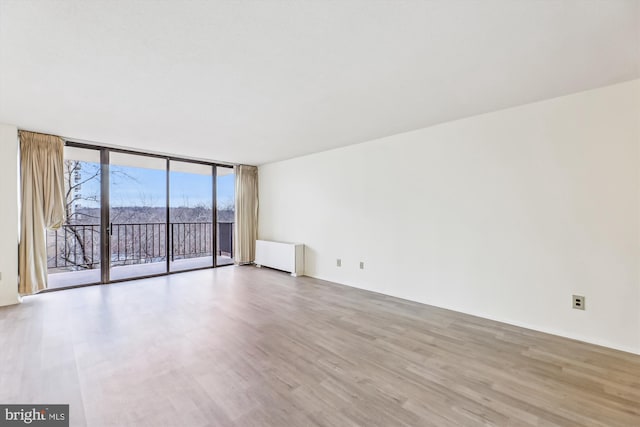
(578, 302)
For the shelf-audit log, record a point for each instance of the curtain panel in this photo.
(43, 205)
(246, 215)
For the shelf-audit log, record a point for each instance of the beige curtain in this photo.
(246, 219)
(43, 201)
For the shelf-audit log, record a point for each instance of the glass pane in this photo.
(225, 195)
(73, 251)
(138, 197)
(190, 215)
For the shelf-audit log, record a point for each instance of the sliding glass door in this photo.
(190, 215)
(132, 215)
(137, 215)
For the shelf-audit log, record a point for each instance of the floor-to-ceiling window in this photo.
(132, 215)
(73, 251)
(137, 215)
(225, 201)
(191, 215)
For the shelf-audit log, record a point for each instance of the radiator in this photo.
(288, 257)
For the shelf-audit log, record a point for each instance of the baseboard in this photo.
(562, 334)
(9, 301)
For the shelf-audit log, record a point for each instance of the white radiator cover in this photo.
(280, 255)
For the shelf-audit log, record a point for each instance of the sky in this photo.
(131, 186)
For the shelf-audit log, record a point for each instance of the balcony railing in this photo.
(77, 247)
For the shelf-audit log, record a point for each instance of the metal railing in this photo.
(77, 247)
(74, 246)
(138, 243)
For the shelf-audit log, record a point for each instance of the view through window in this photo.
(160, 217)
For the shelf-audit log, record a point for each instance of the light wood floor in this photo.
(240, 346)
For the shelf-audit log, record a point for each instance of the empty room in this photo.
(320, 213)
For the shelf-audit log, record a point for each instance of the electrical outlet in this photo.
(361, 265)
(338, 262)
(578, 302)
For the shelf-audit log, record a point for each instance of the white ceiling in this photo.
(258, 81)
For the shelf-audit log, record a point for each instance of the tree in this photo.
(139, 229)
(76, 243)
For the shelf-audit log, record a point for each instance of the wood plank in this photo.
(245, 346)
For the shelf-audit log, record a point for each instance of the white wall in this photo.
(9, 214)
(503, 215)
